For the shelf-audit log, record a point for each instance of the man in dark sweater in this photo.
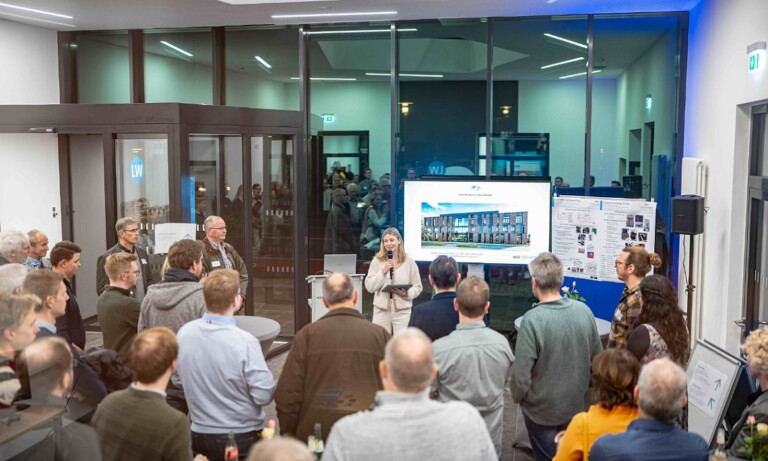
(65, 259)
(117, 309)
(438, 317)
(136, 423)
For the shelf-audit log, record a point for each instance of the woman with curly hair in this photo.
(756, 350)
(660, 329)
(614, 377)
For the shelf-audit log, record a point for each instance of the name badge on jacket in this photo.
(215, 263)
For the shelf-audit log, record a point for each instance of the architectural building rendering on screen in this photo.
(481, 227)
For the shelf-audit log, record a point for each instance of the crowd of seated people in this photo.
(198, 385)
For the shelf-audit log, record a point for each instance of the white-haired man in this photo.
(14, 247)
(219, 254)
(38, 249)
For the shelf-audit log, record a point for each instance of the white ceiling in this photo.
(147, 14)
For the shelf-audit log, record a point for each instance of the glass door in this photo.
(756, 285)
(141, 186)
(272, 225)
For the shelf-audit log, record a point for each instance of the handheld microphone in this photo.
(391, 271)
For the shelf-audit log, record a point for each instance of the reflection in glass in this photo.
(261, 64)
(272, 227)
(103, 74)
(141, 163)
(177, 66)
(633, 110)
(539, 98)
(354, 139)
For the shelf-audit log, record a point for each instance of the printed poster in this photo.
(588, 233)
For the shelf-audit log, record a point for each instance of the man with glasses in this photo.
(127, 237)
(223, 372)
(117, 310)
(220, 255)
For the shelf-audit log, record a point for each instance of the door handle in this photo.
(741, 323)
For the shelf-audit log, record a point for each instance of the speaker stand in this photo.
(690, 287)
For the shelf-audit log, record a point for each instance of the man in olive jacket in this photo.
(332, 369)
(220, 255)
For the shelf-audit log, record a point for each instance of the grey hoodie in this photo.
(171, 305)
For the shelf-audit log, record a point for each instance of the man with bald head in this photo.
(341, 350)
(406, 425)
(653, 436)
(219, 254)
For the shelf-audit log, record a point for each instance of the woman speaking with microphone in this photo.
(394, 280)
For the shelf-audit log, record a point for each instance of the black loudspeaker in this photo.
(687, 215)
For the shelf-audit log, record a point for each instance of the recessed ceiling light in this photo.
(31, 10)
(383, 74)
(265, 63)
(566, 40)
(329, 79)
(35, 19)
(357, 31)
(551, 1)
(327, 15)
(580, 73)
(561, 63)
(176, 48)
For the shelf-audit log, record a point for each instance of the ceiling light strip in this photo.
(382, 74)
(176, 48)
(35, 19)
(330, 15)
(265, 63)
(360, 31)
(32, 10)
(580, 73)
(329, 79)
(566, 40)
(562, 62)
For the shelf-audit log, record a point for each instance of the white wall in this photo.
(30, 67)
(29, 187)
(717, 131)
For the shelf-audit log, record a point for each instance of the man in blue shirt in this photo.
(222, 369)
(660, 395)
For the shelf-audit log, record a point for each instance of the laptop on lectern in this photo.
(346, 264)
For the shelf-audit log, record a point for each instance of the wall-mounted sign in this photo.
(137, 170)
(756, 57)
(328, 118)
(436, 168)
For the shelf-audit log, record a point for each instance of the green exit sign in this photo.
(754, 61)
(328, 118)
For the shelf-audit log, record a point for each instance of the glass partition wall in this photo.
(573, 98)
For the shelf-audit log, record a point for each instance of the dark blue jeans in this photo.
(213, 445)
(542, 439)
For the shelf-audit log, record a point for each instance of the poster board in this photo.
(167, 234)
(712, 376)
(588, 233)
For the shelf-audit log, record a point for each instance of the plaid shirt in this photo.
(629, 308)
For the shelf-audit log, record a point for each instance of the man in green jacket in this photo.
(555, 345)
(220, 255)
(117, 309)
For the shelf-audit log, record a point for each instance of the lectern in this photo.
(316, 301)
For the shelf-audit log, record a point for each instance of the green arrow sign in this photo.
(711, 401)
(718, 383)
